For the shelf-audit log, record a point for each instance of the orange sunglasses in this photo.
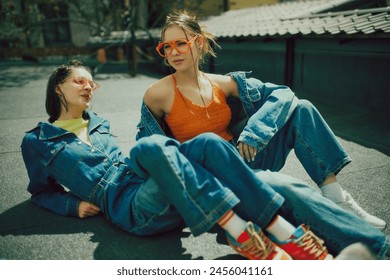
(182, 46)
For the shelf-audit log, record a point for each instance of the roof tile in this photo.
(299, 17)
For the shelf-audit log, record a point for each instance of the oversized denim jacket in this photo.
(258, 114)
(55, 158)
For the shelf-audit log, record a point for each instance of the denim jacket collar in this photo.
(49, 131)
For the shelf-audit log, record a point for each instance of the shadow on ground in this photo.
(26, 219)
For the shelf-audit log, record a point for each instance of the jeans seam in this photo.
(273, 206)
(310, 152)
(385, 248)
(231, 200)
(336, 169)
(170, 163)
(150, 220)
(200, 209)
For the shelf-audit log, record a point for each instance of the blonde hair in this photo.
(190, 24)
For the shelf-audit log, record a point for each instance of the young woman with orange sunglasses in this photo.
(263, 120)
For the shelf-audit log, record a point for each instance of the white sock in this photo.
(334, 192)
(281, 229)
(233, 224)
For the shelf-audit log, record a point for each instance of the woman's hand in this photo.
(87, 209)
(247, 152)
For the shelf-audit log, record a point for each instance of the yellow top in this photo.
(77, 126)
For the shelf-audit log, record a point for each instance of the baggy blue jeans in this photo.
(201, 179)
(314, 144)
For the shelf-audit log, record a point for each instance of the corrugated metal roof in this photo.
(298, 17)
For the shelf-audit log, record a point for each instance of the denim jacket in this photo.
(257, 115)
(55, 158)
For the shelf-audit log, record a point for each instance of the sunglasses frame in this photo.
(82, 81)
(172, 44)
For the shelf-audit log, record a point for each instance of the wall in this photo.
(264, 58)
(354, 72)
(350, 73)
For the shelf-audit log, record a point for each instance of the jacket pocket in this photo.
(52, 152)
(105, 131)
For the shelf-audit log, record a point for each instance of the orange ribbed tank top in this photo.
(188, 120)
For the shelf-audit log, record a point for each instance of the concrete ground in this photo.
(29, 232)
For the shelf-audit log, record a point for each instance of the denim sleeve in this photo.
(45, 191)
(274, 105)
(148, 125)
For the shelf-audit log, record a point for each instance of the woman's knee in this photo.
(143, 146)
(212, 143)
(306, 111)
(205, 140)
(285, 184)
(208, 137)
(150, 146)
(305, 106)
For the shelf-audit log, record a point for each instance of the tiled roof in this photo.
(299, 17)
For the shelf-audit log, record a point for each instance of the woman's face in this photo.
(77, 90)
(180, 52)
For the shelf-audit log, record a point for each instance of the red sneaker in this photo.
(254, 245)
(304, 245)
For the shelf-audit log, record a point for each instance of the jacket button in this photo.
(79, 142)
(53, 151)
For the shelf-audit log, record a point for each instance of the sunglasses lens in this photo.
(83, 81)
(80, 81)
(163, 49)
(93, 85)
(182, 46)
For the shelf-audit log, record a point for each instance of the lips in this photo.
(176, 61)
(88, 97)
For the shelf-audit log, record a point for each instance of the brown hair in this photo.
(53, 101)
(190, 24)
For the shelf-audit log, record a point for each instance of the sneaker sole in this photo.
(379, 227)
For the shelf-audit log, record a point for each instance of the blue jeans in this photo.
(200, 180)
(314, 143)
(193, 179)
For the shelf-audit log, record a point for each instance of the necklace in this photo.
(200, 95)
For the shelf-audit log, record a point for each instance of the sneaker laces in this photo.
(351, 203)
(310, 242)
(257, 245)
